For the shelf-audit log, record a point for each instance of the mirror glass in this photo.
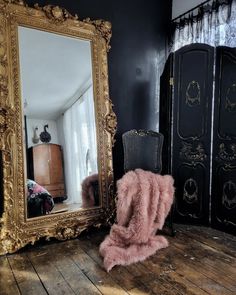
(59, 122)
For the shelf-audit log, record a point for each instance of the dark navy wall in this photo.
(139, 30)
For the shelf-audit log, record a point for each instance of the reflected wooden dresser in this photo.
(45, 166)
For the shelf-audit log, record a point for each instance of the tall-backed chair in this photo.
(143, 149)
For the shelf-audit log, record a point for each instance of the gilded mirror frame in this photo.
(16, 230)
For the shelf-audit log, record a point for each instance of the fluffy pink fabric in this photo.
(144, 200)
(87, 191)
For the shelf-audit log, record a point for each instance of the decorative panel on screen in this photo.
(191, 187)
(224, 142)
(193, 74)
(192, 93)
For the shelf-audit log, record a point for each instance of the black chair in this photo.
(143, 149)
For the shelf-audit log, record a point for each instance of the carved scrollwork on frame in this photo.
(3, 120)
(111, 125)
(9, 243)
(104, 28)
(193, 152)
(18, 2)
(6, 116)
(65, 232)
(56, 13)
(16, 230)
(3, 64)
(229, 195)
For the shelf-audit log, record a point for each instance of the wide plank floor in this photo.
(198, 261)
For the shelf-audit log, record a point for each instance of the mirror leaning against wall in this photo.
(57, 124)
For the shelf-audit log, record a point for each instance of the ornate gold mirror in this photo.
(56, 122)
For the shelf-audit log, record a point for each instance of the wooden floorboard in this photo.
(206, 255)
(198, 261)
(220, 241)
(93, 271)
(8, 283)
(26, 277)
(119, 274)
(51, 278)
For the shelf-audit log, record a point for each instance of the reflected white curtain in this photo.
(80, 144)
(215, 27)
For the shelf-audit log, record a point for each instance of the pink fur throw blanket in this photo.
(144, 201)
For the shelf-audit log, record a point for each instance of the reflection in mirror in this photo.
(59, 122)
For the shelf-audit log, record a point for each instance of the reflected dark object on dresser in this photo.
(39, 201)
(36, 206)
(45, 136)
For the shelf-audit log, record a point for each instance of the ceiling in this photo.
(55, 70)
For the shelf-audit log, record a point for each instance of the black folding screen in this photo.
(204, 181)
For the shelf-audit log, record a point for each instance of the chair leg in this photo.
(171, 225)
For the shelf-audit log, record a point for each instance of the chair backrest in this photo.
(143, 149)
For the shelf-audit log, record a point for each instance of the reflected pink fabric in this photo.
(144, 201)
(88, 200)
